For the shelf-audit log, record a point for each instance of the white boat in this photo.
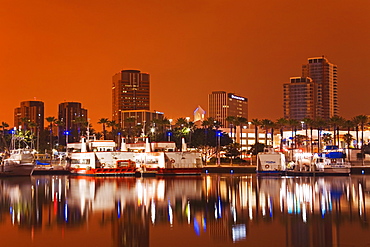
(270, 162)
(332, 163)
(20, 162)
(100, 158)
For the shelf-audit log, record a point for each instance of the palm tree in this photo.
(327, 138)
(103, 122)
(335, 122)
(356, 122)
(181, 122)
(361, 120)
(205, 123)
(33, 126)
(266, 124)
(166, 123)
(256, 123)
(241, 122)
(3, 126)
(293, 123)
(348, 138)
(213, 123)
(281, 123)
(319, 123)
(59, 124)
(81, 124)
(24, 122)
(51, 121)
(112, 124)
(308, 123)
(232, 124)
(349, 124)
(341, 124)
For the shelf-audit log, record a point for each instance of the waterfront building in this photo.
(130, 91)
(315, 94)
(143, 118)
(30, 115)
(73, 117)
(222, 104)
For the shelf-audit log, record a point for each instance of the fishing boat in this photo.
(332, 162)
(20, 160)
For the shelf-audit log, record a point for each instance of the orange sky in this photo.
(64, 50)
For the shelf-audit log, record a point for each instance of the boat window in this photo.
(123, 163)
(152, 161)
(80, 161)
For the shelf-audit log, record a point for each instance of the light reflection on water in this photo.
(211, 210)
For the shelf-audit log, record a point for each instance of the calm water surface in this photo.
(211, 210)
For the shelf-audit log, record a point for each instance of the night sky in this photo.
(63, 50)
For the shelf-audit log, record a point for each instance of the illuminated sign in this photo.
(237, 97)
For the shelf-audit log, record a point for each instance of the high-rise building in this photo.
(315, 94)
(300, 98)
(72, 115)
(130, 91)
(30, 115)
(324, 74)
(222, 104)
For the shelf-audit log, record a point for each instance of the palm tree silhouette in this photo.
(104, 122)
(51, 121)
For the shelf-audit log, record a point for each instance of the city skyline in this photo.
(67, 52)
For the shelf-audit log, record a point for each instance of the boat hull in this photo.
(179, 171)
(345, 171)
(270, 173)
(15, 169)
(325, 172)
(104, 172)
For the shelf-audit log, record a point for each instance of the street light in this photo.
(66, 133)
(170, 120)
(241, 140)
(219, 148)
(152, 130)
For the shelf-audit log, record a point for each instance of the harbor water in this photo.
(207, 210)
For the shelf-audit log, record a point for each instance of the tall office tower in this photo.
(324, 74)
(30, 115)
(321, 92)
(72, 115)
(300, 98)
(222, 104)
(130, 91)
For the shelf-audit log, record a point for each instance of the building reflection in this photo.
(293, 211)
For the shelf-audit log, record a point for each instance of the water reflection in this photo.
(214, 210)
